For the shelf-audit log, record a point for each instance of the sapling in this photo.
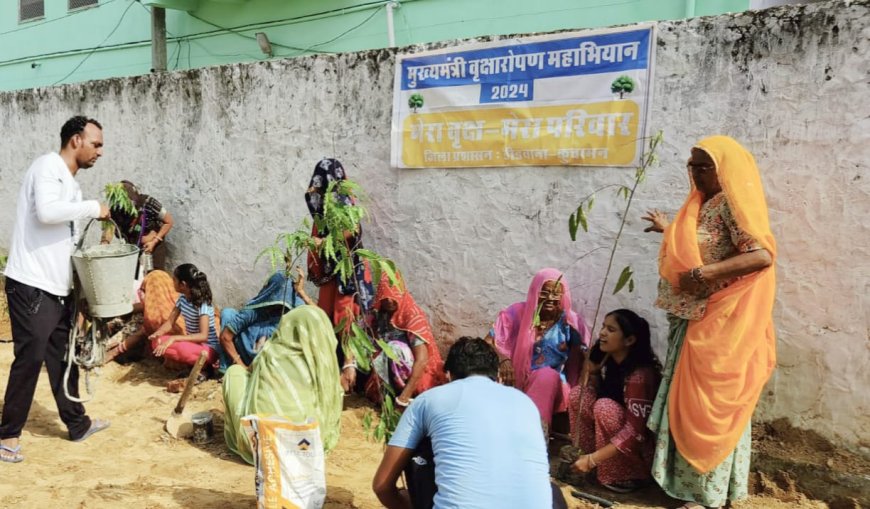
(118, 199)
(341, 214)
(579, 218)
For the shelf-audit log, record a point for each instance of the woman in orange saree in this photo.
(158, 297)
(717, 285)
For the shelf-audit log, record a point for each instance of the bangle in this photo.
(506, 359)
(592, 461)
(122, 347)
(403, 403)
(349, 365)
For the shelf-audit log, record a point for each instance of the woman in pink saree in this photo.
(540, 342)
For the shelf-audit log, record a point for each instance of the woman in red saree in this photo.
(400, 323)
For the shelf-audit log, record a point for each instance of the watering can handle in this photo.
(85, 232)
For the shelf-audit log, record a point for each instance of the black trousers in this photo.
(40, 334)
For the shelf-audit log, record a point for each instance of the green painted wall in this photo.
(114, 38)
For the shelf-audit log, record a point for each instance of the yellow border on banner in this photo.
(588, 134)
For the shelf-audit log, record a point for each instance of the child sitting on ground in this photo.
(609, 411)
(195, 305)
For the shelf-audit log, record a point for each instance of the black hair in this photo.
(75, 125)
(200, 291)
(471, 356)
(641, 353)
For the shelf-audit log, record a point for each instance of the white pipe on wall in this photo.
(391, 33)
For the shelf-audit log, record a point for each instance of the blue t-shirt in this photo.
(191, 319)
(488, 444)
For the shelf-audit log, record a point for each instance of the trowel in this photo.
(178, 425)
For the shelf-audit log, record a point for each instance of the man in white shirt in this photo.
(39, 280)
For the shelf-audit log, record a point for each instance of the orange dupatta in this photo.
(728, 355)
(410, 318)
(159, 301)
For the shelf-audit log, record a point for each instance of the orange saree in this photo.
(728, 354)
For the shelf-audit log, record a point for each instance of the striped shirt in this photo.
(191, 319)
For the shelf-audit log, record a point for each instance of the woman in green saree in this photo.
(295, 376)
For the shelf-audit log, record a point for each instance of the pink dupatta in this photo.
(515, 335)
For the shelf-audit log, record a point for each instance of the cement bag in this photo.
(289, 461)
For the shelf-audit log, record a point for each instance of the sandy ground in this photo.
(136, 464)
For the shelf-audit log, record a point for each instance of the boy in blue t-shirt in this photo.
(486, 438)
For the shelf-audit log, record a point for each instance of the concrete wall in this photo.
(230, 149)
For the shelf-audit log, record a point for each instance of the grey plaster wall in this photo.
(230, 149)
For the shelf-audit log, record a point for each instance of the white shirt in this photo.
(49, 203)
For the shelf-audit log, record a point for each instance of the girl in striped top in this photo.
(195, 306)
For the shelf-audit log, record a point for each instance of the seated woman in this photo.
(400, 323)
(609, 412)
(540, 343)
(245, 329)
(157, 297)
(294, 376)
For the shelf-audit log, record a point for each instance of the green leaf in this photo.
(270, 253)
(581, 216)
(118, 199)
(631, 285)
(327, 248)
(536, 321)
(367, 254)
(590, 202)
(367, 421)
(362, 360)
(388, 350)
(389, 266)
(359, 334)
(342, 325)
(379, 432)
(345, 268)
(624, 277)
(572, 227)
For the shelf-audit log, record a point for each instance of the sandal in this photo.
(11, 454)
(97, 425)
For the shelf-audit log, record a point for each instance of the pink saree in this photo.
(514, 337)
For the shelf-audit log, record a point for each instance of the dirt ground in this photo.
(136, 464)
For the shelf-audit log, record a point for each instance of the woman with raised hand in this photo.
(717, 286)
